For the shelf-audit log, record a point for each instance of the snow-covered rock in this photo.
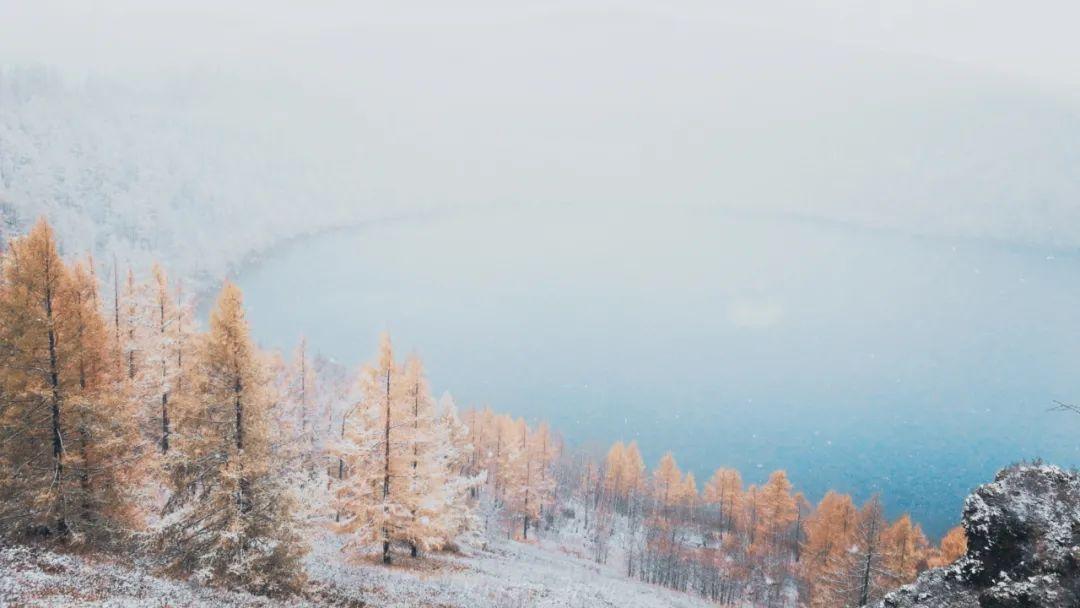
(1023, 533)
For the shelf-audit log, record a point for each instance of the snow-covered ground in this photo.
(34, 577)
(505, 575)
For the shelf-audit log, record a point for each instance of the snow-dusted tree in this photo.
(724, 492)
(858, 575)
(688, 495)
(623, 473)
(667, 484)
(302, 402)
(543, 445)
(109, 463)
(459, 519)
(134, 319)
(162, 347)
(374, 496)
(614, 468)
(777, 512)
(528, 499)
(402, 479)
(953, 547)
(427, 462)
(230, 519)
(64, 437)
(829, 532)
(633, 474)
(510, 472)
(751, 512)
(905, 548)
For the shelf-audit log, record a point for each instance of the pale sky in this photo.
(1028, 40)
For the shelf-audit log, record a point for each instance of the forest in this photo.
(128, 428)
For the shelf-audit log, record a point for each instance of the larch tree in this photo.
(633, 473)
(134, 319)
(859, 575)
(534, 476)
(724, 490)
(543, 444)
(459, 522)
(688, 497)
(508, 463)
(424, 451)
(667, 483)
(803, 510)
(162, 348)
(110, 467)
(614, 471)
(63, 435)
(905, 548)
(374, 496)
(751, 513)
(953, 547)
(303, 402)
(230, 519)
(521, 474)
(829, 532)
(777, 512)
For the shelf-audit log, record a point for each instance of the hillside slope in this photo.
(186, 171)
(507, 575)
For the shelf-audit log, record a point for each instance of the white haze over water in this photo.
(857, 360)
(837, 237)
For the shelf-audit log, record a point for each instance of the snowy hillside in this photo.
(507, 575)
(182, 170)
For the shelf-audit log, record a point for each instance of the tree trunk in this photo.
(386, 474)
(415, 453)
(116, 305)
(341, 463)
(54, 384)
(164, 423)
(242, 499)
(164, 376)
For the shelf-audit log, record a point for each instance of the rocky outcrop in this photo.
(1023, 534)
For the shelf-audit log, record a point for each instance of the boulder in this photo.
(1023, 537)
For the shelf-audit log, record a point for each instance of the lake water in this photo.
(860, 360)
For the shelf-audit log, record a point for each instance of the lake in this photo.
(864, 360)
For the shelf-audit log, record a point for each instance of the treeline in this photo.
(121, 422)
(765, 544)
(128, 424)
(124, 425)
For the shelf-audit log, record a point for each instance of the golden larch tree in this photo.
(230, 519)
(64, 437)
(953, 546)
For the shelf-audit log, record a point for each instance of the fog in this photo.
(837, 239)
(950, 118)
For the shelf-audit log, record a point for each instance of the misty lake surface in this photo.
(862, 360)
